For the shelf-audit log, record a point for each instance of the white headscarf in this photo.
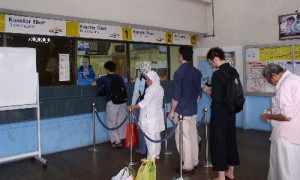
(145, 67)
(154, 77)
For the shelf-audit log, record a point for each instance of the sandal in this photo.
(227, 178)
(138, 151)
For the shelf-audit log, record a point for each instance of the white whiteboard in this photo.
(18, 76)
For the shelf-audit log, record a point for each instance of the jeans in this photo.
(142, 143)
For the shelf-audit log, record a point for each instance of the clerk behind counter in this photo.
(85, 72)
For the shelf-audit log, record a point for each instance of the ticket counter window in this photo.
(174, 60)
(155, 54)
(49, 51)
(91, 56)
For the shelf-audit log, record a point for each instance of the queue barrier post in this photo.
(206, 163)
(94, 149)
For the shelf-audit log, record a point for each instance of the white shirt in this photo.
(151, 116)
(287, 103)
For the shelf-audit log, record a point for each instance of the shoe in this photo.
(138, 151)
(196, 166)
(186, 171)
(144, 160)
(115, 145)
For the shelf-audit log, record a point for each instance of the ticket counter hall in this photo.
(46, 105)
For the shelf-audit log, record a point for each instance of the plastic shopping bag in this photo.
(147, 171)
(123, 175)
(135, 140)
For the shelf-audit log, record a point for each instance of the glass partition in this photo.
(100, 52)
(174, 60)
(76, 53)
(155, 54)
(53, 57)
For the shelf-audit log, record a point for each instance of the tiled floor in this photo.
(107, 162)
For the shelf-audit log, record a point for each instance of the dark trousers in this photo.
(223, 145)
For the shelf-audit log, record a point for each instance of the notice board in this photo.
(18, 77)
(256, 57)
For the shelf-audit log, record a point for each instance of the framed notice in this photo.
(64, 67)
(257, 57)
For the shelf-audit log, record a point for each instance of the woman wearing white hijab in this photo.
(138, 95)
(151, 116)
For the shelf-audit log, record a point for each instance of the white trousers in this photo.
(153, 148)
(190, 141)
(284, 160)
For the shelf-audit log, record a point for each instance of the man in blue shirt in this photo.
(115, 113)
(185, 98)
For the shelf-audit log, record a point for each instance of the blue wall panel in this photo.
(57, 135)
(255, 105)
(18, 138)
(64, 133)
(71, 132)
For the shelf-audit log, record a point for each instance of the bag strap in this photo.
(144, 92)
(140, 94)
(145, 87)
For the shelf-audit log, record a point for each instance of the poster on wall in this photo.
(64, 67)
(255, 82)
(258, 58)
(289, 26)
(206, 70)
(297, 67)
(230, 58)
(297, 60)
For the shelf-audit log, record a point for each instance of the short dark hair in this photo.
(110, 65)
(215, 52)
(86, 57)
(291, 18)
(271, 68)
(186, 52)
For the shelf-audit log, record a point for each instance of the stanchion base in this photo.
(180, 178)
(167, 153)
(93, 149)
(206, 164)
(131, 163)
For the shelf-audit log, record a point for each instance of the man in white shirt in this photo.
(285, 119)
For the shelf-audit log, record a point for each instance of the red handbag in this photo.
(135, 140)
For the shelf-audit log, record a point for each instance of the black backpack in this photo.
(235, 95)
(118, 92)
